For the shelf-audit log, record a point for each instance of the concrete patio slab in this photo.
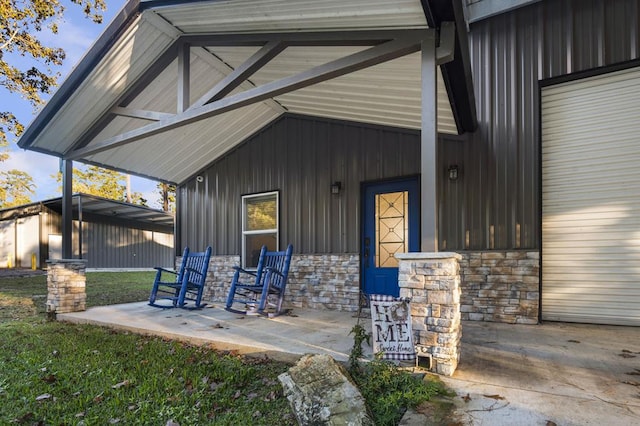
(285, 337)
(552, 374)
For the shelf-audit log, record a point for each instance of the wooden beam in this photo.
(375, 55)
(141, 113)
(240, 74)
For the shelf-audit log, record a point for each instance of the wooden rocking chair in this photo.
(262, 288)
(187, 284)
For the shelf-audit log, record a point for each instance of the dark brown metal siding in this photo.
(496, 200)
(300, 157)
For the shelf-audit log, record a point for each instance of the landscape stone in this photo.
(321, 392)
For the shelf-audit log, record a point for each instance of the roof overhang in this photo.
(92, 208)
(172, 85)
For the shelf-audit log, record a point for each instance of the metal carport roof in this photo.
(161, 61)
(136, 216)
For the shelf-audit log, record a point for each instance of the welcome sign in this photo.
(391, 327)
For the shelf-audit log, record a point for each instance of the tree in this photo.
(106, 183)
(16, 188)
(137, 198)
(167, 196)
(21, 21)
(98, 181)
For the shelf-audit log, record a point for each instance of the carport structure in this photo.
(173, 85)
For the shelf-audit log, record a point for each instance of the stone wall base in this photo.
(500, 286)
(497, 286)
(316, 281)
(66, 285)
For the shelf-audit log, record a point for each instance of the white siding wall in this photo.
(591, 200)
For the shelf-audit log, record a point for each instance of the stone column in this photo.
(432, 282)
(66, 283)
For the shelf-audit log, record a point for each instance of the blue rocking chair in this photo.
(265, 287)
(187, 284)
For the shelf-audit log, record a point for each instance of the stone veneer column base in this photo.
(432, 282)
(66, 285)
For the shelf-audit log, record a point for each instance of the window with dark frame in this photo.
(260, 226)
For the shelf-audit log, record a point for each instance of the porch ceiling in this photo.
(135, 76)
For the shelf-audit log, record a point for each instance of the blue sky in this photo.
(75, 35)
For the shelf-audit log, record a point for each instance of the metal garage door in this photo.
(591, 199)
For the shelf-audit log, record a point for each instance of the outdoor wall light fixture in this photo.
(453, 172)
(336, 187)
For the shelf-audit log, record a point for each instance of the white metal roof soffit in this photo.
(184, 99)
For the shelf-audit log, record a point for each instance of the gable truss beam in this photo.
(240, 74)
(405, 44)
(140, 113)
(329, 38)
(150, 74)
(184, 72)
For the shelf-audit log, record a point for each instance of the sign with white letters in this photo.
(391, 327)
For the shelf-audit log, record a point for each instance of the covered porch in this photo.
(569, 374)
(173, 86)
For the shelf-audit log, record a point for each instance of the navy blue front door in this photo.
(391, 225)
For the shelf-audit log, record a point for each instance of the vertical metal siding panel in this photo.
(351, 204)
(557, 38)
(529, 49)
(308, 178)
(282, 157)
(301, 157)
(330, 141)
(290, 133)
(476, 160)
(589, 47)
(616, 19)
(510, 53)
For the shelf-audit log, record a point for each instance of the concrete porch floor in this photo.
(556, 373)
(285, 337)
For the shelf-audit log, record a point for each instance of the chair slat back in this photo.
(196, 265)
(279, 261)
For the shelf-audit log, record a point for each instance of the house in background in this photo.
(506, 131)
(108, 234)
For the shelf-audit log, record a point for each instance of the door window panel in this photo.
(392, 227)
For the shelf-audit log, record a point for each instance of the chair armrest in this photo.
(161, 269)
(244, 271)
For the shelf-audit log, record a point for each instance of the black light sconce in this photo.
(336, 187)
(454, 172)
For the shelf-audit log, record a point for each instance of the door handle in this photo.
(367, 243)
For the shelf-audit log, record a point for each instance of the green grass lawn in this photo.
(55, 373)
